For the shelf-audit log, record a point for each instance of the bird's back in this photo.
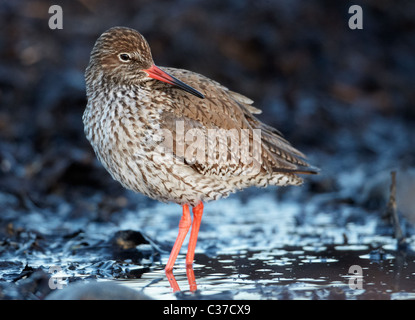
(225, 112)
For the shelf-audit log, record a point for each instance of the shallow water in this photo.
(294, 274)
(261, 248)
(266, 254)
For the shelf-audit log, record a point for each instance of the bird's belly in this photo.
(167, 179)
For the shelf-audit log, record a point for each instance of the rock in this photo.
(96, 291)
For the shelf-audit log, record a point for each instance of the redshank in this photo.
(142, 121)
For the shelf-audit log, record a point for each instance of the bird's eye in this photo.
(124, 57)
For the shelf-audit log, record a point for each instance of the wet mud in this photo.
(250, 252)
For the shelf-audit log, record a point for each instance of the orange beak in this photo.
(158, 74)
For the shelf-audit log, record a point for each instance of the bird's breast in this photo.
(121, 127)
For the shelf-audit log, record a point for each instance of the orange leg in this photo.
(197, 218)
(191, 278)
(172, 280)
(184, 226)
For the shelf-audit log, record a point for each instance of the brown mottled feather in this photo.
(226, 109)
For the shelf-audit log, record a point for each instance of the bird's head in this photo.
(123, 56)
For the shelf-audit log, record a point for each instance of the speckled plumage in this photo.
(128, 113)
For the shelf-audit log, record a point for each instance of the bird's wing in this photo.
(225, 112)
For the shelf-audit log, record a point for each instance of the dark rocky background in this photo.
(344, 97)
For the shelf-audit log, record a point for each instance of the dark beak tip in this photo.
(158, 74)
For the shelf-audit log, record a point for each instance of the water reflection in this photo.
(250, 254)
(190, 278)
(294, 275)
